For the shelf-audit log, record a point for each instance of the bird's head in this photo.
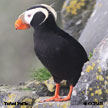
(35, 16)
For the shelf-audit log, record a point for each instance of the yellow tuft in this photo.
(100, 77)
(95, 100)
(99, 69)
(92, 94)
(82, 4)
(25, 106)
(101, 106)
(74, 6)
(93, 64)
(11, 95)
(88, 68)
(83, 92)
(78, 6)
(90, 89)
(37, 100)
(68, 9)
(49, 85)
(82, 0)
(74, 12)
(106, 77)
(87, 92)
(28, 100)
(97, 86)
(50, 104)
(66, 105)
(74, 2)
(58, 104)
(11, 99)
(99, 92)
(44, 105)
(106, 91)
(11, 106)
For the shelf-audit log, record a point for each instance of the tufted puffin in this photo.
(59, 52)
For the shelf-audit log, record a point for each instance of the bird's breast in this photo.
(49, 46)
(46, 50)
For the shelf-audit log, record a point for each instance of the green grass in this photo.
(26, 89)
(41, 74)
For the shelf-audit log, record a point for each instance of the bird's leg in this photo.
(68, 96)
(56, 96)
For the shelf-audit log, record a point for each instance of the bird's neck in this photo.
(46, 27)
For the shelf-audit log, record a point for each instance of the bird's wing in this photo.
(72, 47)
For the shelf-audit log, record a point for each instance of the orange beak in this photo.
(19, 25)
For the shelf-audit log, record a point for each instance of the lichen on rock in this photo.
(75, 14)
(93, 83)
(51, 104)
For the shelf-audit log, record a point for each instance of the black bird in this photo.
(59, 52)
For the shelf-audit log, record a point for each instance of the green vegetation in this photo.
(90, 55)
(26, 89)
(41, 74)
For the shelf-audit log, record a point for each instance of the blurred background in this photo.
(17, 57)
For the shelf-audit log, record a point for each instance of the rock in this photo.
(20, 94)
(75, 14)
(37, 87)
(45, 88)
(64, 88)
(29, 92)
(93, 83)
(51, 104)
(97, 26)
(90, 106)
(17, 98)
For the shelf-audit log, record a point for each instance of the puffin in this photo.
(59, 52)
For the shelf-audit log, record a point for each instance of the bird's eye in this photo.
(29, 15)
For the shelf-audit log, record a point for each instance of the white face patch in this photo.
(28, 15)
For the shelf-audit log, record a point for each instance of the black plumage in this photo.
(59, 52)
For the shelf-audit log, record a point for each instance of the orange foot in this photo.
(57, 97)
(64, 99)
(68, 96)
(54, 98)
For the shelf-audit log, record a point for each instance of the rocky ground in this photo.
(31, 92)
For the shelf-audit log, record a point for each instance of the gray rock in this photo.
(21, 93)
(83, 106)
(17, 97)
(75, 14)
(89, 106)
(93, 83)
(51, 104)
(97, 26)
(30, 92)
